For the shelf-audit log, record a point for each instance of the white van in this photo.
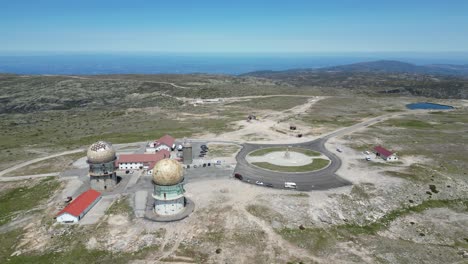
(291, 185)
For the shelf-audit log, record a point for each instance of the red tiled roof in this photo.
(154, 157)
(166, 140)
(83, 201)
(382, 151)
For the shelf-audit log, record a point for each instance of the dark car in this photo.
(269, 185)
(127, 172)
(238, 176)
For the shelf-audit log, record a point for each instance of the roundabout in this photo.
(288, 159)
(268, 163)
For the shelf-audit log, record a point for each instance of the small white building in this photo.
(164, 143)
(77, 209)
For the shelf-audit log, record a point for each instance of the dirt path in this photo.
(26, 163)
(24, 177)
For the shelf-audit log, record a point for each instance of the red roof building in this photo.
(74, 211)
(147, 161)
(166, 140)
(385, 153)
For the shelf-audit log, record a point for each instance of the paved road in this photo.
(306, 181)
(317, 180)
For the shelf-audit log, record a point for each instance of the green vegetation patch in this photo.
(264, 151)
(415, 172)
(189, 252)
(317, 240)
(79, 254)
(408, 123)
(121, 206)
(222, 150)
(49, 165)
(374, 227)
(264, 212)
(317, 164)
(16, 200)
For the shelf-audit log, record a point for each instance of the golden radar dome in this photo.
(167, 172)
(101, 152)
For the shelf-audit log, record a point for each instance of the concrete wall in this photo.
(67, 218)
(187, 155)
(169, 207)
(131, 166)
(391, 158)
(103, 183)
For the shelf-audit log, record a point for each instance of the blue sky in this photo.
(234, 26)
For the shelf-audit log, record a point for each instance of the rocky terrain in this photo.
(411, 211)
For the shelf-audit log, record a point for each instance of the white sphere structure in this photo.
(101, 152)
(169, 190)
(168, 172)
(101, 160)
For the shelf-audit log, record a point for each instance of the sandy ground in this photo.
(266, 128)
(97, 212)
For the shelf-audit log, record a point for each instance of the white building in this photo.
(141, 161)
(164, 143)
(76, 210)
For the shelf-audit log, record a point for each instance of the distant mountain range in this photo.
(381, 66)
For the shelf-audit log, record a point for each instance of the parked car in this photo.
(127, 172)
(259, 183)
(238, 176)
(203, 146)
(269, 185)
(290, 185)
(339, 150)
(368, 158)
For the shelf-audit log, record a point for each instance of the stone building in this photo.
(101, 160)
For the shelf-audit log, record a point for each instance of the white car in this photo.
(368, 158)
(291, 185)
(259, 183)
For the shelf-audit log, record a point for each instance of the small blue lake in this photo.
(415, 106)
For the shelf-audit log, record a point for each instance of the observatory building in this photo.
(101, 160)
(168, 177)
